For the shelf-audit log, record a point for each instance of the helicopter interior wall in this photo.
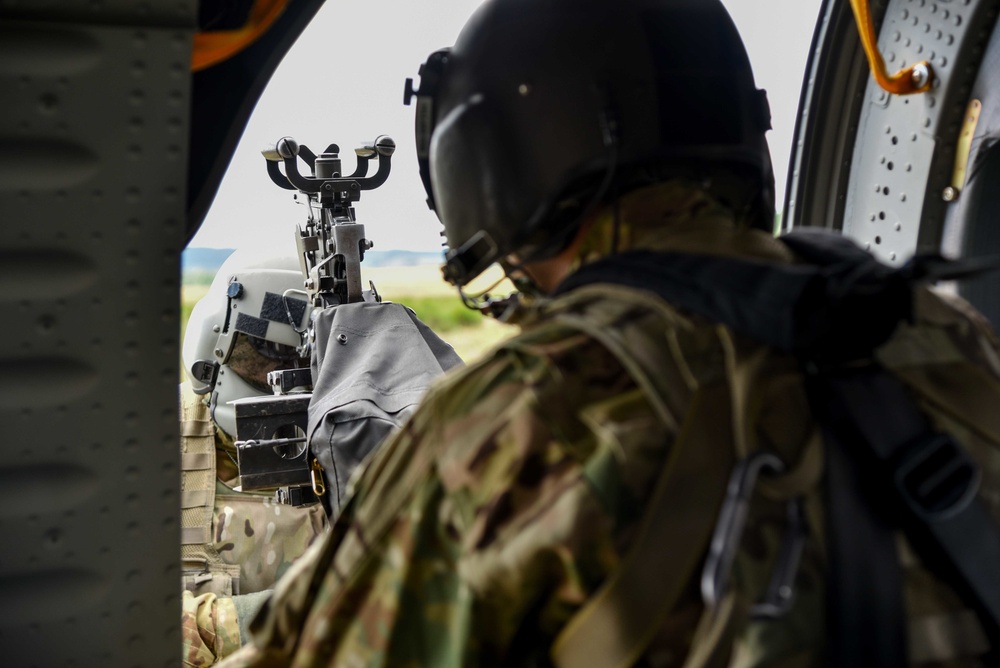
(905, 148)
(972, 227)
(982, 220)
(95, 185)
(876, 166)
(93, 162)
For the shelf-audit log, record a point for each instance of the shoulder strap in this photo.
(616, 625)
(808, 310)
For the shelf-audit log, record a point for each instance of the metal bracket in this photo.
(963, 148)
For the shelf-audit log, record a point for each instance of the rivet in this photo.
(524, 89)
(218, 352)
(216, 329)
(949, 194)
(342, 339)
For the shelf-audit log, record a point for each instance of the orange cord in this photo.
(211, 48)
(916, 78)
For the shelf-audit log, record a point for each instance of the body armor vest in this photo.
(231, 542)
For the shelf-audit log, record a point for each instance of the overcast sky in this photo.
(342, 83)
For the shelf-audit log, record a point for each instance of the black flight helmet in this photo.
(543, 107)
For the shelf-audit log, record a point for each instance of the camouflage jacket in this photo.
(235, 545)
(483, 532)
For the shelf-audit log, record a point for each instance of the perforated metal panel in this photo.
(905, 145)
(93, 155)
(875, 165)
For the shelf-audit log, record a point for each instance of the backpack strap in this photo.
(886, 456)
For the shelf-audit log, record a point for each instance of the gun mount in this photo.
(272, 448)
(332, 243)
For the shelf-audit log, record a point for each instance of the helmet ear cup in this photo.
(424, 116)
(229, 387)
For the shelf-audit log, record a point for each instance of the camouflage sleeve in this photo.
(209, 629)
(480, 528)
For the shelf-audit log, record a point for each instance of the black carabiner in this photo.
(728, 536)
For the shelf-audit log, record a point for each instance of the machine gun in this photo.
(272, 445)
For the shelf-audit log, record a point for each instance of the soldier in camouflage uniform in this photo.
(235, 545)
(553, 503)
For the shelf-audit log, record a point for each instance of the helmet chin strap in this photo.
(481, 301)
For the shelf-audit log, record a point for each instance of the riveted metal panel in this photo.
(905, 146)
(93, 155)
(971, 222)
(829, 106)
(129, 13)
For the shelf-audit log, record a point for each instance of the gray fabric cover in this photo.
(367, 385)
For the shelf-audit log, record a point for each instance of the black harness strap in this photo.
(920, 478)
(886, 469)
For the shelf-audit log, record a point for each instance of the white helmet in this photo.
(251, 321)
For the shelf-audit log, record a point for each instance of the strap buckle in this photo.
(936, 478)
